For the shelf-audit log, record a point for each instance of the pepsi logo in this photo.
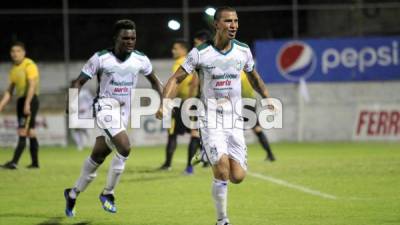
(296, 60)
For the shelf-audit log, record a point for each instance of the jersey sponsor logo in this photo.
(296, 60)
(224, 76)
(121, 83)
(223, 83)
(121, 90)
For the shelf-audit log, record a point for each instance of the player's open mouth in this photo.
(232, 33)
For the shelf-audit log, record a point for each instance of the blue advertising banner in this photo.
(321, 60)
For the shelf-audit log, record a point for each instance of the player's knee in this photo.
(22, 132)
(222, 175)
(236, 179)
(221, 172)
(257, 129)
(195, 134)
(32, 133)
(124, 149)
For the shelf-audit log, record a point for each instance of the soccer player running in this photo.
(116, 71)
(186, 89)
(24, 77)
(225, 58)
(248, 92)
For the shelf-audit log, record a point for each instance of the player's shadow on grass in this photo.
(58, 220)
(55, 220)
(52, 221)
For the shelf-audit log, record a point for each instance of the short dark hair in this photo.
(203, 35)
(219, 10)
(124, 24)
(182, 43)
(19, 44)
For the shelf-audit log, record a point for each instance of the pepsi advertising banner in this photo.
(320, 60)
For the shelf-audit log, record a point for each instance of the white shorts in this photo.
(219, 141)
(111, 119)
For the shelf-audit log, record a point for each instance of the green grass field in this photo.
(309, 184)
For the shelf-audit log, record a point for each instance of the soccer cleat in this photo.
(107, 201)
(165, 168)
(270, 157)
(33, 166)
(69, 204)
(223, 222)
(188, 170)
(10, 165)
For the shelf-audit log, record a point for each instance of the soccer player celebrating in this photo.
(24, 76)
(219, 66)
(116, 71)
(186, 89)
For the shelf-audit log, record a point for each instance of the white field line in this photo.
(292, 186)
(284, 183)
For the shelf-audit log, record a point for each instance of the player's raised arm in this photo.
(7, 95)
(155, 83)
(257, 83)
(171, 87)
(173, 82)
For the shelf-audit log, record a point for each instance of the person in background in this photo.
(186, 89)
(24, 77)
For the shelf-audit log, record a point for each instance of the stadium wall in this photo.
(332, 113)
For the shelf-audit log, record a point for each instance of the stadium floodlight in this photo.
(210, 11)
(174, 25)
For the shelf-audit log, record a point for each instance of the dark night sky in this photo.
(43, 33)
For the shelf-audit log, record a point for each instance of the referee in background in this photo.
(24, 77)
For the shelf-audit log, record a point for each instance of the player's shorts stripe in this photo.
(202, 146)
(108, 133)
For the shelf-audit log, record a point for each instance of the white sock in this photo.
(73, 193)
(114, 172)
(88, 173)
(220, 193)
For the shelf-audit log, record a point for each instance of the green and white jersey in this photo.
(219, 73)
(117, 78)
